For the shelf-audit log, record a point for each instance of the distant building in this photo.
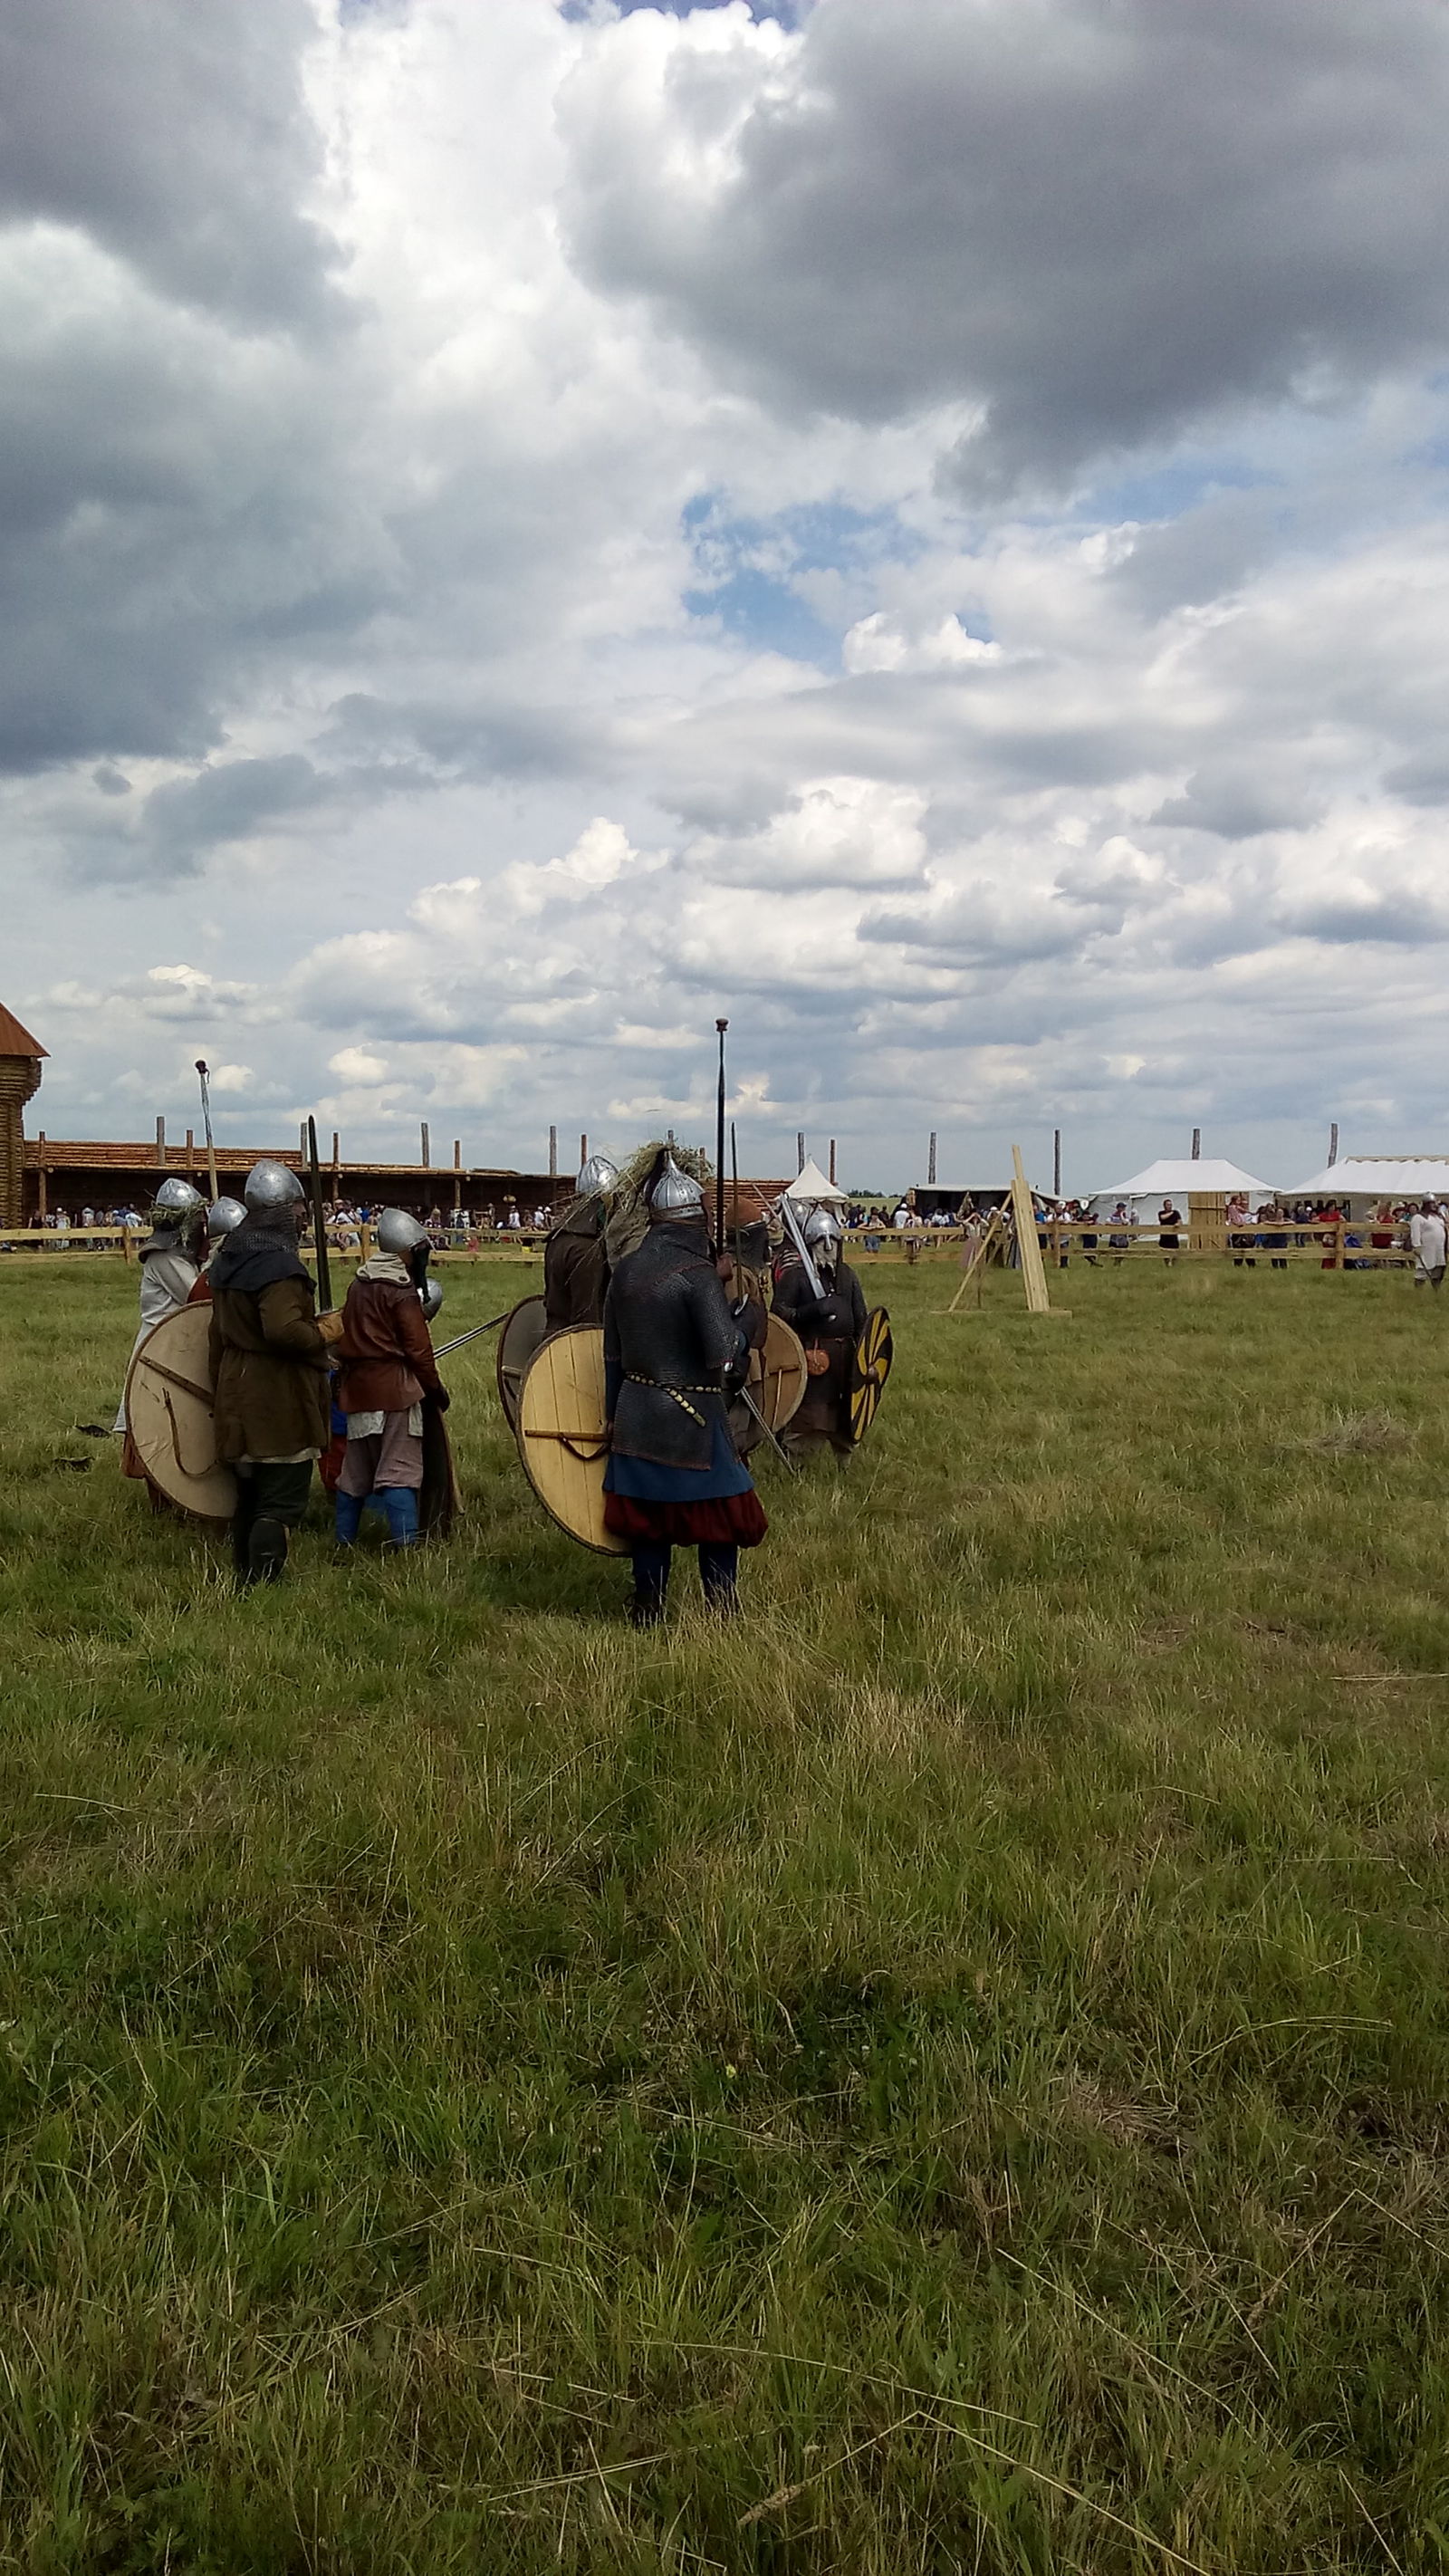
(21, 1057)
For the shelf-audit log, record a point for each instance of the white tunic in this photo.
(167, 1279)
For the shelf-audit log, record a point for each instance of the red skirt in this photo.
(730, 1520)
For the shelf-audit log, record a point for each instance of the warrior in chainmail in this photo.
(672, 1354)
(269, 1368)
(829, 1326)
(576, 1256)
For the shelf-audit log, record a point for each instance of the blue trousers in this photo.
(398, 1505)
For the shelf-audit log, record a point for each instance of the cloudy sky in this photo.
(919, 524)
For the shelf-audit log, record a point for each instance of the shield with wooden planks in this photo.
(561, 1436)
(168, 1414)
(519, 1339)
(778, 1379)
(869, 1371)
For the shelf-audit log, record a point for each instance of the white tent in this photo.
(1379, 1177)
(813, 1188)
(1180, 1178)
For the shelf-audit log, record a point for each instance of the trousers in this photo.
(270, 1500)
(652, 1561)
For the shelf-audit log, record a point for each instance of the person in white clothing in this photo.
(1429, 1238)
(169, 1263)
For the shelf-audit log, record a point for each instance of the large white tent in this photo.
(1376, 1177)
(812, 1187)
(1175, 1179)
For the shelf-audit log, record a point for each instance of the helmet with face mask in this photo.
(822, 1232)
(270, 1189)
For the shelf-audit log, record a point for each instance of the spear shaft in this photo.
(719, 1144)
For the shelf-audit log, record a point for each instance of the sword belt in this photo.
(678, 1393)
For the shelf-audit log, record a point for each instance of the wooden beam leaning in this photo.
(1033, 1269)
(976, 1259)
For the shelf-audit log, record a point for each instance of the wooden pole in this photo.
(1197, 1144)
(931, 1162)
(1056, 1162)
(161, 1143)
(799, 1150)
(583, 1151)
(553, 1153)
(1333, 1144)
(832, 1162)
(40, 1176)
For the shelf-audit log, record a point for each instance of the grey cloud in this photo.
(1099, 219)
(189, 816)
(1397, 917)
(176, 135)
(1237, 799)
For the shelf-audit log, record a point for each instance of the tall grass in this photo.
(949, 2074)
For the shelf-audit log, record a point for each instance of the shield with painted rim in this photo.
(870, 1369)
(562, 1439)
(168, 1414)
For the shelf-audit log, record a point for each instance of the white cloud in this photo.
(494, 588)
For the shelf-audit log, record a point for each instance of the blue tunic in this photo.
(645, 1481)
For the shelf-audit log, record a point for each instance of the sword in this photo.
(769, 1431)
(791, 1224)
(473, 1332)
(319, 1220)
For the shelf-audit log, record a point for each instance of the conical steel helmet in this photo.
(175, 1201)
(269, 1187)
(597, 1177)
(822, 1226)
(674, 1193)
(399, 1232)
(223, 1217)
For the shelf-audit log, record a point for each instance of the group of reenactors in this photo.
(682, 1317)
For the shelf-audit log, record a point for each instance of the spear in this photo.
(206, 1122)
(719, 1135)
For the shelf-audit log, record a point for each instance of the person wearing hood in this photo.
(269, 1360)
(829, 1326)
(170, 1259)
(576, 1255)
(673, 1353)
(387, 1373)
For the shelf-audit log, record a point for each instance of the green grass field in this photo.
(951, 2075)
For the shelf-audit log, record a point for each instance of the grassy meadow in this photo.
(950, 2075)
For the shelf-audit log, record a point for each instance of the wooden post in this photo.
(832, 1162)
(1056, 1162)
(1197, 1144)
(427, 1148)
(161, 1143)
(40, 1176)
(1033, 1272)
(190, 1142)
(553, 1153)
(1333, 1144)
(1336, 1248)
(931, 1162)
(583, 1151)
(799, 1151)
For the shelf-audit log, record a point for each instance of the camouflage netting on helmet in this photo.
(628, 1218)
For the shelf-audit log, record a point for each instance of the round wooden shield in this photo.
(168, 1414)
(519, 1339)
(778, 1375)
(561, 1435)
(872, 1366)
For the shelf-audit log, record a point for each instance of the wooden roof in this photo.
(14, 1040)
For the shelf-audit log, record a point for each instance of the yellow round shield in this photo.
(872, 1366)
(561, 1436)
(168, 1414)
